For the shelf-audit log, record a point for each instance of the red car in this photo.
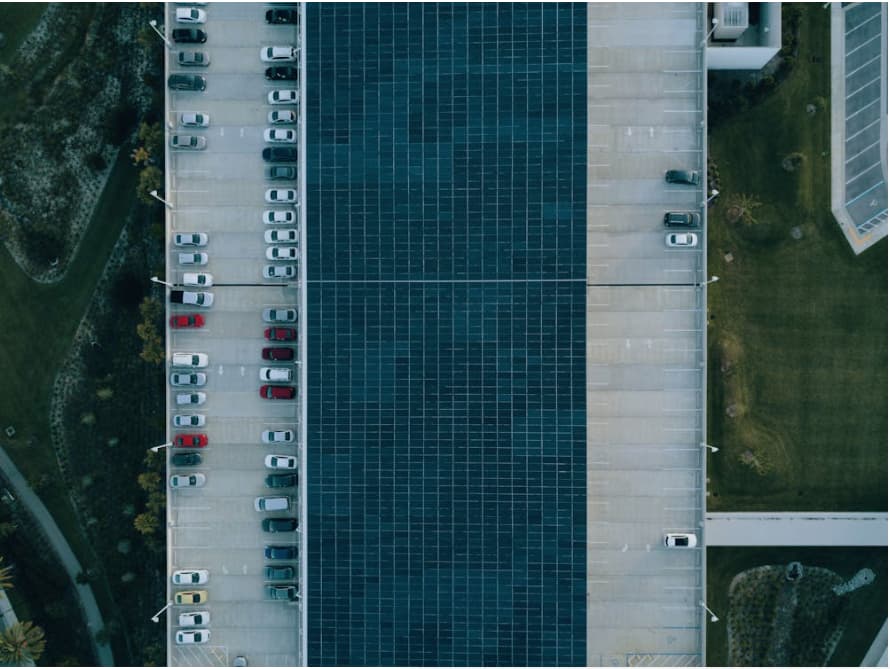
(190, 441)
(278, 353)
(281, 334)
(187, 321)
(278, 392)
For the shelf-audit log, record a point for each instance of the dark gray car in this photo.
(688, 177)
(186, 82)
(279, 172)
(279, 525)
(682, 219)
(287, 593)
(280, 552)
(278, 573)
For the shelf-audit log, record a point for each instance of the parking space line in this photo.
(864, 86)
(859, 132)
(870, 146)
(865, 43)
(862, 109)
(870, 167)
(865, 64)
(868, 20)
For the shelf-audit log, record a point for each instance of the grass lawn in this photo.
(868, 605)
(18, 21)
(798, 326)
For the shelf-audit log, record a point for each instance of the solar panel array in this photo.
(446, 174)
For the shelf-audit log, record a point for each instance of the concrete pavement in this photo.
(768, 528)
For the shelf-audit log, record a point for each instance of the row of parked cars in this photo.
(682, 219)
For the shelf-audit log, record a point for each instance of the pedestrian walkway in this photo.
(796, 529)
(877, 654)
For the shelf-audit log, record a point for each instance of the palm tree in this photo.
(5, 576)
(21, 641)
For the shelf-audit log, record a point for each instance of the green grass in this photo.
(803, 323)
(19, 19)
(868, 604)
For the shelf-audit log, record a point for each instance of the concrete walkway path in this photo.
(796, 529)
(66, 556)
(877, 654)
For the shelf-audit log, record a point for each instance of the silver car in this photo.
(191, 142)
(194, 119)
(195, 379)
(280, 315)
(189, 420)
(279, 272)
(282, 253)
(193, 58)
(193, 258)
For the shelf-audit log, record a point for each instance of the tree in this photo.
(149, 481)
(151, 178)
(5, 574)
(7, 528)
(153, 346)
(741, 208)
(152, 137)
(23, 641)
(146, 523)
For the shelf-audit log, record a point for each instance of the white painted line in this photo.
(865, 43)
(865, 64)
(598, 165)
(695, 71)
(873, 144)
(862, 109)
(682, 587)
(868, 20)
(870, 167)
(859, 132)
(877, 78)
(682, 111)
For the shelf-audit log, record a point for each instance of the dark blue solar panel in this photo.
(446, 257)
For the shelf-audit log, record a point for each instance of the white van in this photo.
(271, 503)
(276, 374)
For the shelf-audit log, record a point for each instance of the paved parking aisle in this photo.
(220, 191)
(644, 316)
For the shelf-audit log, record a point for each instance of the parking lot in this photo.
(220, 190)
(645, 309)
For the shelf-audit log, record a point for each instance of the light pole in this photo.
(714, 617)
(714, 193)
(155, 617)
(157, 197)
(713, 449)
(154, 26)
(714, 22)
(163, 283)
(155, 449)
(713, 279)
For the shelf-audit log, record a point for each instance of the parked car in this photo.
(190, 15)
(194, 119)
(188, 142)
(280, 552)
(276, 374)
(186, 321)
(282, 73)
(681, 219)
(279, 217)
(680, 540)
(681, 239)
(283, 96)
(193, 58)
(190, 441)
(688, 177)
(272, 573)
(198, 279)
(190, 239)
(282, 16)
(282, 253)
(185, 460)
(278, 353)
(186, 82)
(286, 593)
(281, 172)
(277, 436)
(196, 360)
(280, 334)
(281, 236)
(281, 196)
(194, 618)
(279, 315)
(189, 420)
(189, 637)
(280, 154)
(189, 36)
(180, 379)
(280, 135)
(193, 258)
(281, 480)
(282, 117)
(279, 524)
(190, 597)
(191, 577)
(281, 462)
(201, 299)
(271, 503)
(188, 481)
(279, 272)
(278, 392)
(191, 399)
(278, 54)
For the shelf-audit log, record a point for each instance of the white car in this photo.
(196, 379)
(281, 196)
(275, 374)
(189, 420)
(188, 481)
(193, 258)
(681, 239)
(278, 54)
(279, 272)
(190, 15)
(680, 540)
(194, 360)
(190, 142)
(277, 436)
(191, 399)
(201, 280)
(277, 217)
(281, 236)
(191, 577)
(271, 503)
(194, 119)
(283, 96)
(282, 253)
(189, 637)
(280, 136)
(190, 239)
(282, 117)
(280, 315)
(194, 618)
(281, 462)
(201, 299)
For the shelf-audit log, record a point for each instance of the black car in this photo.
(281, 480)
(186, 82)
(280, 154)
(189, 36)
(282, 73)
(688, 177)
(681, 219)
(282, 16)
(278, 573)
(286, 593)
(279, 524)
(281, 552)
(185, 459)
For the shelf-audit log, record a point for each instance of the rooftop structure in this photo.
(744, 35)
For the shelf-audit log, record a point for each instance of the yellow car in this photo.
(191, 597)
